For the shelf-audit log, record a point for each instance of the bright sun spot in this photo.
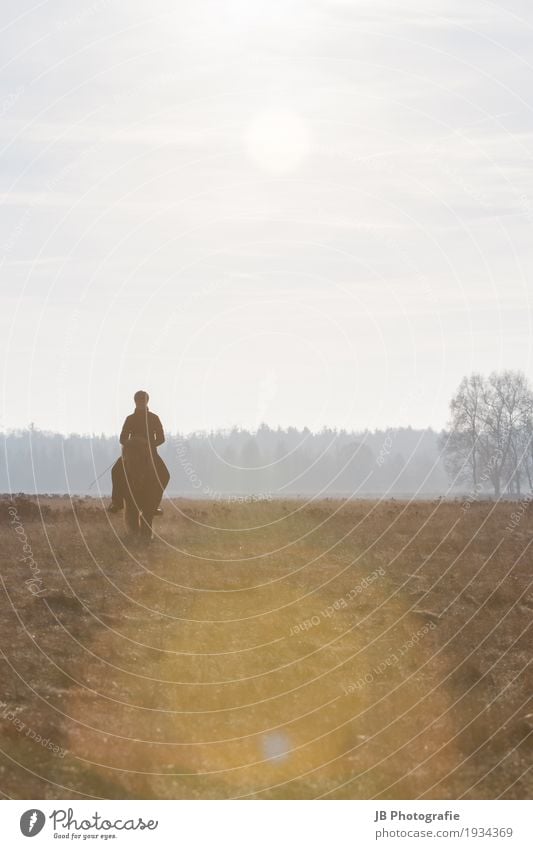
(277, 140)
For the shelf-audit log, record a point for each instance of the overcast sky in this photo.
(303, 212)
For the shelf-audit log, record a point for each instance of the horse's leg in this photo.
(131, 515)
(146, 524)
(150, 505)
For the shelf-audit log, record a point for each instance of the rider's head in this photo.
(141, 399)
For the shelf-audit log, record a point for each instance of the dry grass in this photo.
(172, 672)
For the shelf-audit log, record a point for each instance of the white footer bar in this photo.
(268, 824)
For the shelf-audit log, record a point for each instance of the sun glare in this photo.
(277, 140)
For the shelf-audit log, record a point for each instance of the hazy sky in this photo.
(302, 212)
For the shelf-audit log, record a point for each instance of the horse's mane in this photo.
(137, 455)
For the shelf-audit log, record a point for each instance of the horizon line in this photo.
(224, 431)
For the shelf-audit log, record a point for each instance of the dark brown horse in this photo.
(144, 488)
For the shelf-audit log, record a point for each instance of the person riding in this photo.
(143, 424)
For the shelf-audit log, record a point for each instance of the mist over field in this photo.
(269, 463)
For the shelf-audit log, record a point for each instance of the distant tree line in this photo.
(268, 463)
(489, 442)
(486, 449)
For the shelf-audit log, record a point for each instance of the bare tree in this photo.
(507, 418)
(490, 432)
(461, 443)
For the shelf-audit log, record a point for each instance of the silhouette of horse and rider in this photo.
(140, 475)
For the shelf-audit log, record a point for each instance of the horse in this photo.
(144, 488)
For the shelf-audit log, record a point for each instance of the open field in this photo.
(267, 650)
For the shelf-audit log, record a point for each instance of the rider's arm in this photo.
(125, 432)
(158, 432)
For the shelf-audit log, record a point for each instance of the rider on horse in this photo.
(141, 424)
